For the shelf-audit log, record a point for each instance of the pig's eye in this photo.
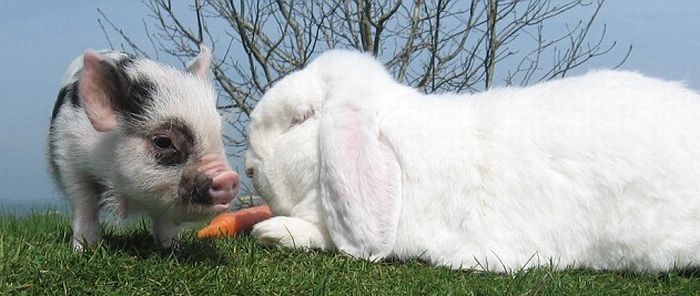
(171, 143)
(163, 142)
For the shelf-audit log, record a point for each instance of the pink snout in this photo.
(224, 187)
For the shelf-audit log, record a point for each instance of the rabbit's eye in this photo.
(299, 119)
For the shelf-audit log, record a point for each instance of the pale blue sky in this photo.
(39, 39)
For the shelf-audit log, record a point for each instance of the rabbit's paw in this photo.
(291, 233)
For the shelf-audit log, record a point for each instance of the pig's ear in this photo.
(360, 181)
(99, 88)
(201, 64)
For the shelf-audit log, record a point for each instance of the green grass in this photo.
(36, 259)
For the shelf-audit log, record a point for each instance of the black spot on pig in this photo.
(59, 102)
(131, 97)
(194, 187)
(182, 132)
(137, 99)
(70, 92)
(172, 142)
(169, 156)
(139, 89)
(116, 82)
(126, 62)
(74, 94)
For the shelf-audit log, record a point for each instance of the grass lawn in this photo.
(36, 259)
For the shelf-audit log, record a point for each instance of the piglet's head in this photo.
(161, 131)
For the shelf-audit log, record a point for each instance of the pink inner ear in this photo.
(201, 64)
(361, 182)
(93, 94)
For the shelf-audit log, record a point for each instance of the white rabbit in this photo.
(599, 171)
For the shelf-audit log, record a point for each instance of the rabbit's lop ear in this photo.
(360, 181)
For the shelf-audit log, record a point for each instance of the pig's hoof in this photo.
(172, 243)
(81, 245)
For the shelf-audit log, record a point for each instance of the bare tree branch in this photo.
(492, 44)
(433, 45)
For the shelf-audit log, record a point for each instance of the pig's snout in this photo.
(209, 182)
(224, 187)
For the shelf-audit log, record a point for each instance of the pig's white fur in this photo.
(120, 164)
(598, 171)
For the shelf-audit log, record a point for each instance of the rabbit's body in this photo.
(606, 180)
(594, 171)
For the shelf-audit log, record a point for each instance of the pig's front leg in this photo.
(86, 225)
(166, 232)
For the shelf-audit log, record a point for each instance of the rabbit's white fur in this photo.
(599, 171)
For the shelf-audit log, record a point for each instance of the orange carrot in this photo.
(234, 223)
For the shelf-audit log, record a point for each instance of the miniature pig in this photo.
(140, 135)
